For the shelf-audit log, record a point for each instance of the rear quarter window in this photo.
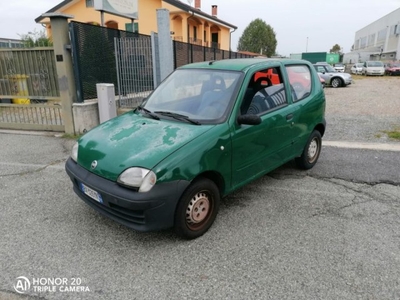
(300, 81)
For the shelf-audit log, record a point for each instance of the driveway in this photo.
(328, 233)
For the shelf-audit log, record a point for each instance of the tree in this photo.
(258, 37)
(35, 39)
(336, 49)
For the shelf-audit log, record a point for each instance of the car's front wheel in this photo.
(197, 209)
(336, 82)
(311, 151)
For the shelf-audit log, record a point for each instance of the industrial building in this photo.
(379, 40)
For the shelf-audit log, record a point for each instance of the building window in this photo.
(363, 42)
(89, 3)
(381, 35)
(195, 33)
(383, 55)
(132, 27)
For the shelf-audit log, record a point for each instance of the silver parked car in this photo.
(357, 68)
(332, 77)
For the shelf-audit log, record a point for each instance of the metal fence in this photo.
(94, 56)
(28, 74)
(134, 69)
(31, 117)
(29, 91)
(189, 53)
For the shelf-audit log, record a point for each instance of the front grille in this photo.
(138, 215)
(124, 214)
(113, 210)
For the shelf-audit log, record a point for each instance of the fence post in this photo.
(155, 53)
(165, 43)
(65, 73)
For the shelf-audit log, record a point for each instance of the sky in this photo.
(299, 25)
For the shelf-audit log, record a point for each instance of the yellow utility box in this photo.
(19, 88)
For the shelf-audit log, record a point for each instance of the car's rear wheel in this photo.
(311, 151)
(197, 209)
(336, 82)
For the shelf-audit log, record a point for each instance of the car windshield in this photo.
(197, 94)
(375, 64)
(395, 65)
(338, 65)
(330, 69)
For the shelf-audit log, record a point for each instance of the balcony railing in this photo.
(213, 45)
(195, 41)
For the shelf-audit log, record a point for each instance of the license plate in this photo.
(91, 193)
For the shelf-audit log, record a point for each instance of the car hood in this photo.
(132, 140)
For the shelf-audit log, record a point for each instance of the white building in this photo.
(379, 40)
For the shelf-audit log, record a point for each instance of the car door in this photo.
(324, 73)
(257, 149)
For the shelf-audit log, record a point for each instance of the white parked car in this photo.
(373, 67)
(339, 67)
(357, 68)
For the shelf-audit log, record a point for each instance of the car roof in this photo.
(240, 64)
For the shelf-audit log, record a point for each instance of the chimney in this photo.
(214, 10)
(197, 4)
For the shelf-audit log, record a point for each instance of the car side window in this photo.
(265, 92)
(300, 81)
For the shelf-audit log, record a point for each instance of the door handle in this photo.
(289, 117)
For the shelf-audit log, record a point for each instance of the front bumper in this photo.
(348, 81)
(394, 73)
(149, 211)
(376, 73)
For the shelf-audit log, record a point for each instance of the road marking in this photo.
(59, 165)
(357, 145)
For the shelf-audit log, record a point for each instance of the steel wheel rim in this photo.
(313, 150)
(199, 210)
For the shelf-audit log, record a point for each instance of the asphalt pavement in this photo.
(328, 233)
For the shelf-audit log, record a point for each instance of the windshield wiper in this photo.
(177, 116)
(149, 113)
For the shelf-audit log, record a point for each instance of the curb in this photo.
(360, 145)
(32, 132)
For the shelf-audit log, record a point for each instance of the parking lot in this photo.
(328, 233)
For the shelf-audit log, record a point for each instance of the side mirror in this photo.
(249, 119)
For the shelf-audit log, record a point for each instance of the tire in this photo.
(197, 209)
(336, 82)
(311, 151)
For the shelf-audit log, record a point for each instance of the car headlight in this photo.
(139, 178)
(74, 152)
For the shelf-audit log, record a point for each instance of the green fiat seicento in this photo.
(208, 129)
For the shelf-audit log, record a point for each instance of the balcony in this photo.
(213, 45)
(195, 41)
